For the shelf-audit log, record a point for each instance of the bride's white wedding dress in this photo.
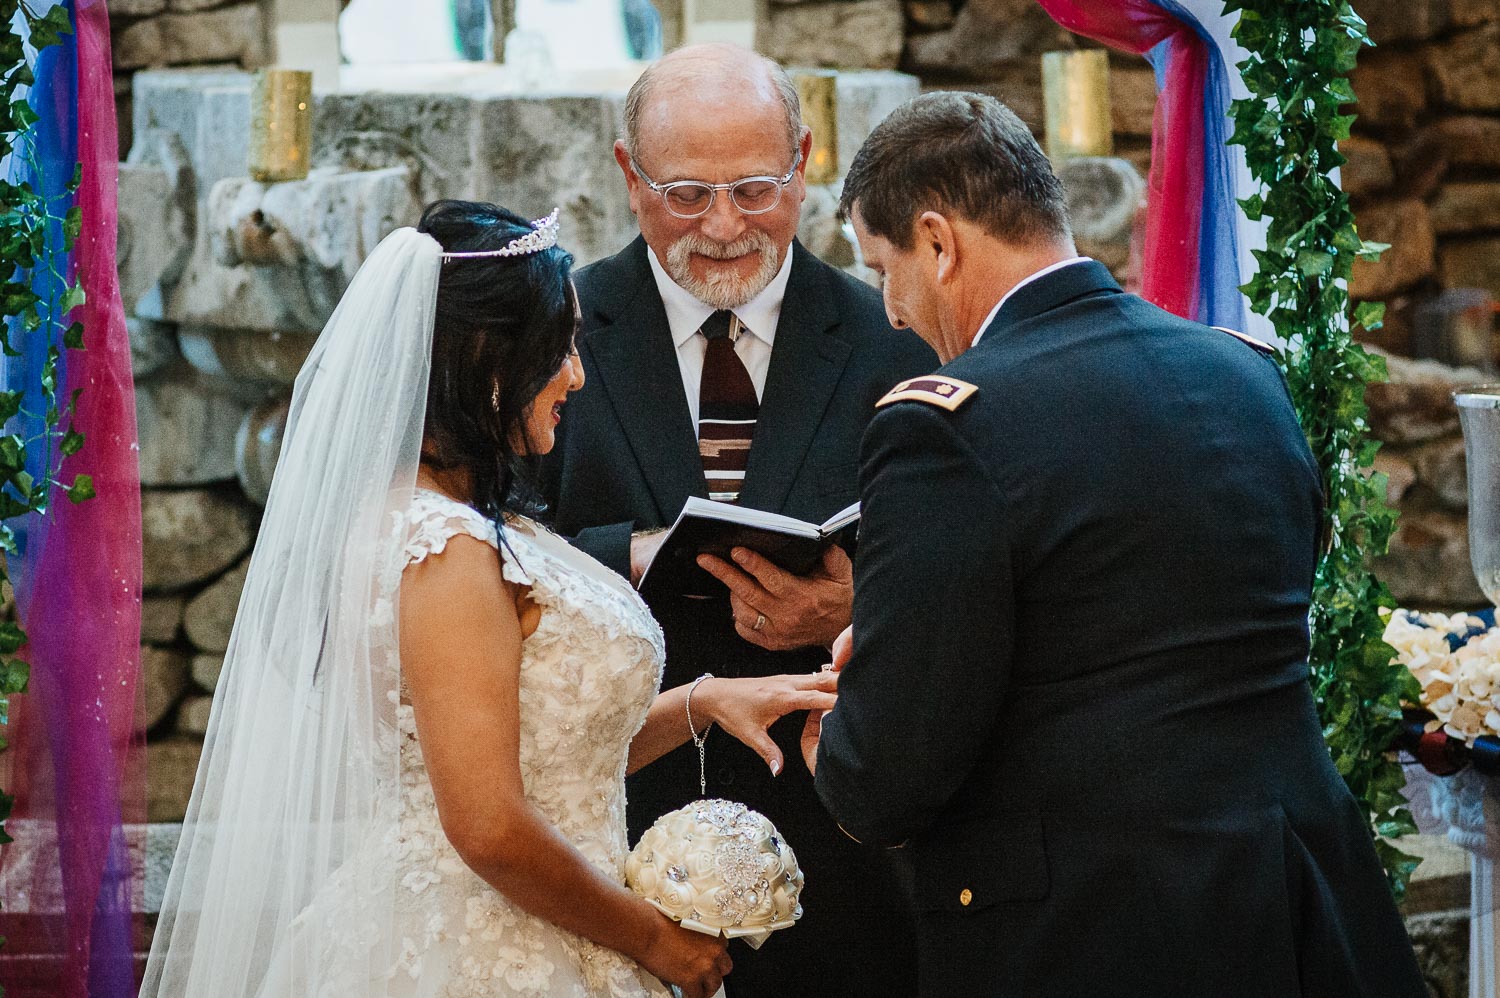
(588, 676)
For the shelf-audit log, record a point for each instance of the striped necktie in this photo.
(727, 409)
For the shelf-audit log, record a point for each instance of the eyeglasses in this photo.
(694, 198)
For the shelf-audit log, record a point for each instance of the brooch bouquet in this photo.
(718, 868)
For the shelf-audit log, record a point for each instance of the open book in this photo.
(707, 527)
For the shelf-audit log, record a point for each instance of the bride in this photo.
(413, 779)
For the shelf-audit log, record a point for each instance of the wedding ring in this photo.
(760, 621)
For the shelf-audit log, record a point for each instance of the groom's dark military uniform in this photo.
(1079, 685)
(627, 458)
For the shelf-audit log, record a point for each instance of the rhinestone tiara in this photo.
(543, 235)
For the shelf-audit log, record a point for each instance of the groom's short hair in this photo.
(958, 153)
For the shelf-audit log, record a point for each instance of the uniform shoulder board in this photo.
(1263, 347)
(934, 389)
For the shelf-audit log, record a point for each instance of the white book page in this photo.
(841, 519)
(708, 509)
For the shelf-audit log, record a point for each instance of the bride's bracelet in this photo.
(700, 741)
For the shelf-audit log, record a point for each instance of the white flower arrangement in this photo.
(1456, 659)
(718, 868)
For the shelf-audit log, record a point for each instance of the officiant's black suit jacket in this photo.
(1079, 685)
(626, 458)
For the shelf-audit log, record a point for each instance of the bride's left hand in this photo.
(745, 708)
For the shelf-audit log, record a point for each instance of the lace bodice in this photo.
(588, 676)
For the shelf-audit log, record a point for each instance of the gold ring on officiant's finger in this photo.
(760, 621)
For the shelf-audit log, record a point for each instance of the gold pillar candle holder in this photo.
(817, 89)
(280, 124)
(1075, 92)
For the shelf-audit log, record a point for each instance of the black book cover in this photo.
(706, 527)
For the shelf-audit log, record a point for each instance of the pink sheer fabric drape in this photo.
(75, 765)
(1169, 270)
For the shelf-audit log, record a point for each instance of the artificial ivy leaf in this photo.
(23, 483)
(1371, 251)
(77, 179)
(12, 453)
(11, 637)
(72, 225)
(1312, 263)
(1370, 314)
(71, 299)
(10, 405)
(14, 675)
(72, 442)
(59, 18)
(23, 117)
(82, 489)
(73, 336)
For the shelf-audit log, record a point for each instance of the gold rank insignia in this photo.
(1260, 345)
(934, 389)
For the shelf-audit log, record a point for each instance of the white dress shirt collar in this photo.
(685, 314)
(1059, 265)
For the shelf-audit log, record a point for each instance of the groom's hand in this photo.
(812, 731)
(812, 728)
(791, 611)
(843, 649)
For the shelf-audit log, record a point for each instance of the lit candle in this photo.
(1075, 88)
(280, 124)
(817, 89)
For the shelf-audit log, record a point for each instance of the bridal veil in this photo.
(299, 768)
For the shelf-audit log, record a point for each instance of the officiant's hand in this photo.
(780, 611)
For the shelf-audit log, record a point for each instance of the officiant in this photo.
(724, 361)
(1078, 691)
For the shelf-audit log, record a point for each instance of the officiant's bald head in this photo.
(705, 77)
(717, 115)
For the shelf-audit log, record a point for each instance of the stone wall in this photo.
(1423, 458)
(990, 46)
(1424, 160)
(153, 34)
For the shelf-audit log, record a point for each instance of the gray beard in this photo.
(723, 290)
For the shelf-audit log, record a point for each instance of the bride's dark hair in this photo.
(504, 324)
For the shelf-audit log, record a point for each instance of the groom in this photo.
(717, 304)
(1078, 688)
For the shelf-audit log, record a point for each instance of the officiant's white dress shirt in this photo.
(1059, 265)
(685, 315)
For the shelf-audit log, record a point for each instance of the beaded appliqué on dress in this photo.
(588, 676)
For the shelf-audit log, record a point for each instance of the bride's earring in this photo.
(495, 395)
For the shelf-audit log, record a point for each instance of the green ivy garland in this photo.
(1300, 56)
(37, 231)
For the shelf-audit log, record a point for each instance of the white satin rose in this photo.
(718, 868)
